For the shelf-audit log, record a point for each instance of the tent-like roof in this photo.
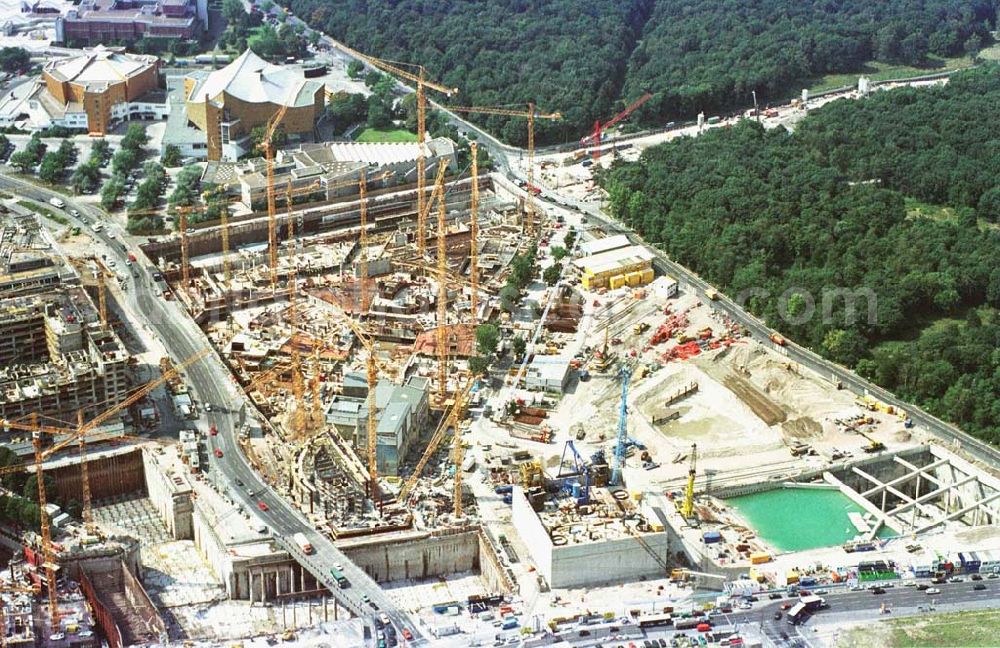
(99, 66)
(254, 80)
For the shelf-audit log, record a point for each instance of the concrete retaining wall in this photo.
(109, 476)
(421, 555)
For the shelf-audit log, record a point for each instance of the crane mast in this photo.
(47, 554)
(531, 114)
(474, 233)
(617, 475)
(687, 509)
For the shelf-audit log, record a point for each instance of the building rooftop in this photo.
(254, 80)
(371, 153)
(99, 66)
(605, 244)
(609, 261)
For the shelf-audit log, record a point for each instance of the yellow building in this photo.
(229, 103)
(627, 266)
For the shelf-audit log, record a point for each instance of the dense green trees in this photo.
(768, 216)
(14, 59)
(563, 54)
(697, 57)
(588, 59)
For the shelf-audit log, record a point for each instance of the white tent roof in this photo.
(254, 80)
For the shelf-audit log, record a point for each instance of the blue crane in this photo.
(623, 441)
(579, 469)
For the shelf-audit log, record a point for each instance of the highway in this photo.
(213, 384)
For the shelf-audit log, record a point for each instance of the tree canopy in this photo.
(782, 221)
(589, 60)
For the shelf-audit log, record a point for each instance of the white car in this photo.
(59, 636)
(932, 590)
(208, 407)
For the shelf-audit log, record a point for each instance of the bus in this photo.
(304, 545)
(802, 610)
(339, 577)
(655, 620)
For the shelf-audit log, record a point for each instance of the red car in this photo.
(785, 606)
(407, 634)
(213, 430)
(262, 506)
(218, 453)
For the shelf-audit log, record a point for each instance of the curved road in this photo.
(214, 384)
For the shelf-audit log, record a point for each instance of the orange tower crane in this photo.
(458, 449)
(474, 232)
(450, 418)
(442, 299)
(72, 436)
(272, 223)
(182, 214)
(421, 82)
(372, 370)
(531, 114)
(48, 554)
(363, 242)
(297, 416)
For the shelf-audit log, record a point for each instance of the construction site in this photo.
(481, 399)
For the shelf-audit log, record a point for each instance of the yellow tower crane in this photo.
(450, 418)
(687, 508)
(531, 114)
(297, 417)
(420, 81)
(372, 371)
(474, 232)
(72, 436)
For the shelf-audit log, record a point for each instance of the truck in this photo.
(711, 294)
(777, 339)
(57, 202)
(641, 327)
(303, 543)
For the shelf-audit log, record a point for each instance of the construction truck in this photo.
(711, 294)
(640, 328)
(777, 339)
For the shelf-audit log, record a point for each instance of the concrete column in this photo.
(277, 584)
(326, 615)
(883, 501)
(335, 606)
(284, 621)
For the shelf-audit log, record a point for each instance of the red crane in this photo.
(594, 139)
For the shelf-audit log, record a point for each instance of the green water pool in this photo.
(796, 519)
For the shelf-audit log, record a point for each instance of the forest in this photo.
(896, 193)
(588, 60)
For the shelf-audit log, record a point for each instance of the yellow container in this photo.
(759, 558)
(634, 278)
(792, 577)
(647, 275)
(617, 281)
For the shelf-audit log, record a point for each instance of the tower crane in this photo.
(474, 233)
(272, 224)
(451, 417)
(599, 128)
(458, 449)
(687, 508)
(372, 371)
(531, 114)
(622, 438)
(297, 417)
(73, 436)
(420, 81)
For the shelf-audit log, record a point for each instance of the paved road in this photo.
(213, 384)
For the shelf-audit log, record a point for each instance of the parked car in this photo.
(932, 590)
